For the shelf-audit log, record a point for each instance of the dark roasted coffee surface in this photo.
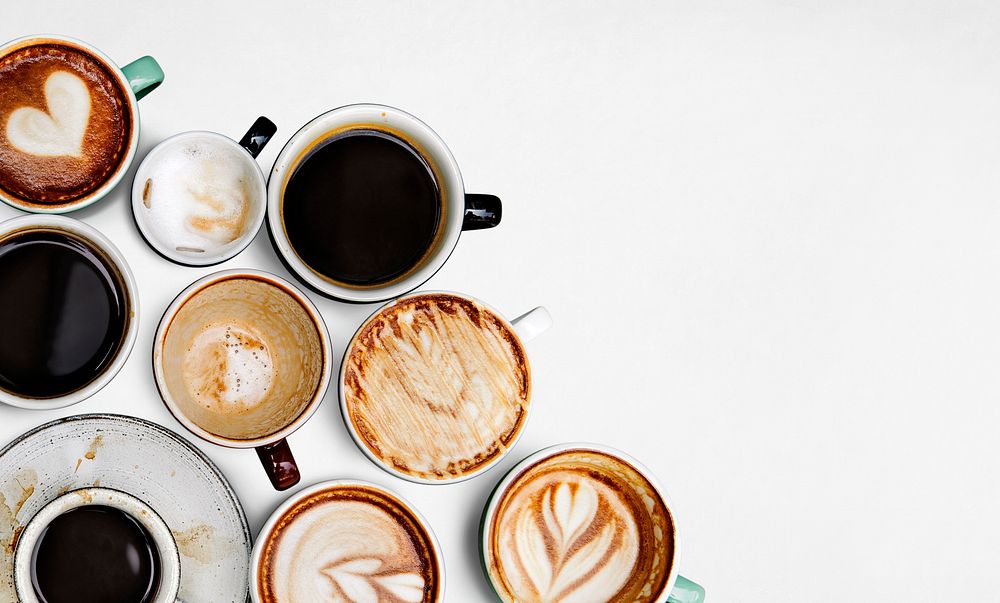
(95, 554)
(63, 314)
(362, 208)
(65, 123)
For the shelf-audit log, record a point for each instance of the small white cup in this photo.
(166, 547)
(113, 255)
(460, 211)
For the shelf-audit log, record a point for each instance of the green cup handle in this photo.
(686, 591)
(143, 75)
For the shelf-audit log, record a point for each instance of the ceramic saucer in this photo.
(147, 461)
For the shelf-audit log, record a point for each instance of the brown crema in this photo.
(55, 179)
(437, 386)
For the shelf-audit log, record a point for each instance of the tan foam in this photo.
(580, 526)
(348, 543)
(66, 123)
(437, 386)
(242, 358)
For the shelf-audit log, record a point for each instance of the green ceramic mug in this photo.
(583, 522)
(69, 121)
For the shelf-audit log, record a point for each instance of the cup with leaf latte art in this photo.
(582, 523)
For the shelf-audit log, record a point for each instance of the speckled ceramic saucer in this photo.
(147, 461)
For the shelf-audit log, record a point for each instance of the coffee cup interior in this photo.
(241, 359)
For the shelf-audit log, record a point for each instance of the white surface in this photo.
(767, 232)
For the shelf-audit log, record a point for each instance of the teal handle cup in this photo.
(51, 178)
(585, 521)
(144, 75)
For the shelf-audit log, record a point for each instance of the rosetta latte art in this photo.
(571, 539)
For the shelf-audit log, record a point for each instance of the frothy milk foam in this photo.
(199, 195)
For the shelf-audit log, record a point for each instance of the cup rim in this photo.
(357, 438)
(100, 192)
(190, 291)
(307, 491)
(114, 255)
(135, 200)
(137, 509)
(515, 472)
(286, 162)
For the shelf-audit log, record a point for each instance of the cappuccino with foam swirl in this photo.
(436, 386)
(347, 542)
(579, 526)
(65, 123)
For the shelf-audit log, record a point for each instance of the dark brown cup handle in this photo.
(279, 464)
(481, 211)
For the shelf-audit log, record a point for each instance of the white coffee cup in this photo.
(166, 547)
(461, 211)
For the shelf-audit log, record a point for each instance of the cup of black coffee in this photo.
(69, 313)
(96, 544)
(366, 203)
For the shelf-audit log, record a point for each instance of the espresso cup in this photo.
(242, 359)
(97, 542)
(70, 121)
(435, 387)
(198, 198)
(366, 202)
(583, 522)
(69, 314)
(346, 540)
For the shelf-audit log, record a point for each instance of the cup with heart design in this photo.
(435, 387)
(582, 522)
(69, 121)
(199, 198)
(366, 202)
(346, 541)
(96, 545)
(68, 313)
(242, 359)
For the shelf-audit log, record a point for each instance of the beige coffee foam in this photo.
(578, 527)
(348, 544)
(242, 359)
(437, 386)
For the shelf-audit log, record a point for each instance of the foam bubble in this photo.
(200, 196)
(229, 368)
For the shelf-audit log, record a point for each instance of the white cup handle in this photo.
(532, 323)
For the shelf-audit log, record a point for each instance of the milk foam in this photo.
(346, 550)
(199, 196)
(229, 368)
(61, 129)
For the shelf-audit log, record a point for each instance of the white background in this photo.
(767, 232)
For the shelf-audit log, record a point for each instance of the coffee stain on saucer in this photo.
(92, 451)
(196, 542)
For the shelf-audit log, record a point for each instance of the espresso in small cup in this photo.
(68, 122)
(68, 315)
(436, 387)
(242, 359)
(582, 523)
(350, 542)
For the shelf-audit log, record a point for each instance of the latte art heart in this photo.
(59, 131)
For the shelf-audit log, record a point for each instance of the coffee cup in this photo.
(242, 359)
(198, 198)
(366, 203)
(584, 522)
(96, 544)
(69, 315)
(346, 540)
(435, 387)
(69, 121)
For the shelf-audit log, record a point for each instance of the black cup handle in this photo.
(481, 211)
(257, 136)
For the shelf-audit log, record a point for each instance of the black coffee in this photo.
(95, 554)
(362, 208)
(63, 313)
